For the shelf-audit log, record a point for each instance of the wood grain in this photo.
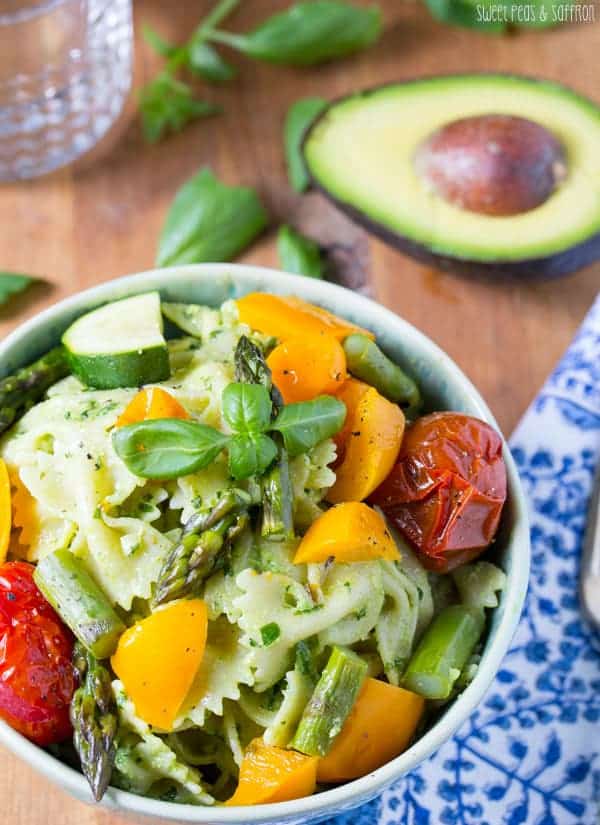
(101, 219)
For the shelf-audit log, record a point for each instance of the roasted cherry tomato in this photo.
(447, 488)
(37, 680)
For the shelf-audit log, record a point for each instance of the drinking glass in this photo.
(65, 73)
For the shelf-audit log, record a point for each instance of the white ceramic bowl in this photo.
(444, 387)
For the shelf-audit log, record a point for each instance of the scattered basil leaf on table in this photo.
(250, 455)
(158, 43)
(247, 407)
(205, 60)
(168, 105)
(308, 33)
(305, 424)
(298, 254)
(167, 448)
(12, 283)
(209, 221)
(461, 13)
(299, 117)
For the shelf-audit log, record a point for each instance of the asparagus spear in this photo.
(22, 390)
(206, 538)
(331, 702)
(277, 494)
(368, 362)
(80, 603)
(94, 720)
(251, 368)
(444, 650)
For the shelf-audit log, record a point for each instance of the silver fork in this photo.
(589, 583)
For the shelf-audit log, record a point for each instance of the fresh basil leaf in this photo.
(158, 43)
(167, 447)
(299, 117)
(205, 61)
(209, 221)
(299, 254)
(308, 33)
(11, 283)
(307, 423)
(247, 407)
(168, 105)
(250, 455)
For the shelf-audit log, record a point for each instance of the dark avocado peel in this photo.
(493, 175)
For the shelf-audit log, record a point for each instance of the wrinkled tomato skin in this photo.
(446, 492)
(37, 680)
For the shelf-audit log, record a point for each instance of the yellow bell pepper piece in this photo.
(380, 726)
(150, 403)
(25, 518)
(270, 774)
(348, 532)
(369, 443)
(303, 368)
(287, 317)
(5, 511)
(158, 657)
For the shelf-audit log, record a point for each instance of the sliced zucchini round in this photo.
(119, 345)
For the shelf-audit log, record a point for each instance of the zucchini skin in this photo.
(124, 369)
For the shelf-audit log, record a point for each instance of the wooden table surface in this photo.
(101, 220)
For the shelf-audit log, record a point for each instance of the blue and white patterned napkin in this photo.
(531, 752)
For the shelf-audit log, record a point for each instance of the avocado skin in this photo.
(567, 262)
(557, 265)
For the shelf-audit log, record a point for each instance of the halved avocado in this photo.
(480, 174)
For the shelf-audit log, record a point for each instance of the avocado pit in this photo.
(492, 164)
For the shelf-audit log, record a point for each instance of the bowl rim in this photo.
(358, 791)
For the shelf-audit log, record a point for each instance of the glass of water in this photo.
(65, 73)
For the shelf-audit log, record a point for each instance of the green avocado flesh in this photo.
(361, 153)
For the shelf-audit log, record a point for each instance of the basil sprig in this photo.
(209, 221)
(308, 33)
(168, 103)
(169, 448)
(303, 34)
(298, 254)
